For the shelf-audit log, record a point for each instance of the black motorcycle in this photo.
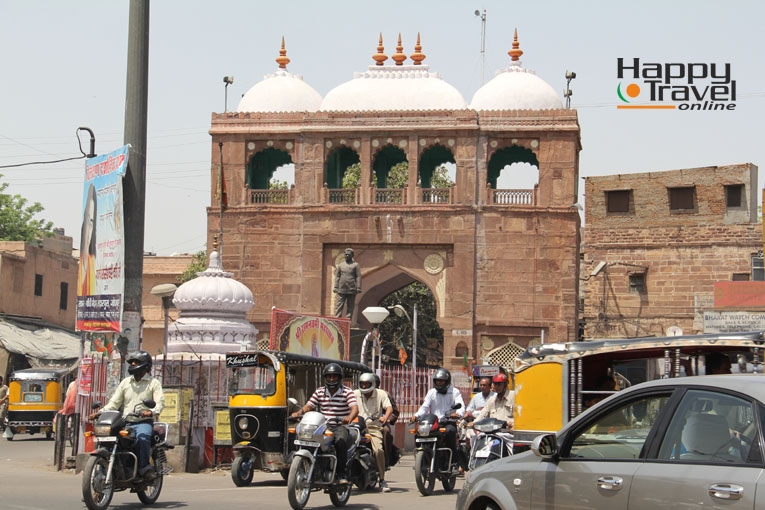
(113, 466)
(433, 457)
(492, 442)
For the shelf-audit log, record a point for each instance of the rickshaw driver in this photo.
(338, 404)
(500, 405)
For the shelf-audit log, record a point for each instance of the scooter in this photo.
(492, 442)
(433, 457)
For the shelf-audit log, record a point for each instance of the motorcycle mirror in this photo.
(293, 404)
(95, 405)
(149, 403)
(456, 406)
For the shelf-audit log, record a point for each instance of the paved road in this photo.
(29, 481)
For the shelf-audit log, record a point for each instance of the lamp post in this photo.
(400, 311)
(228, 80)
(166, 292)
(375, 315)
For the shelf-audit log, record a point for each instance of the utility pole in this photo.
(482, 15)
(134, 182)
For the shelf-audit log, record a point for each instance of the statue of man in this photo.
(347, 284)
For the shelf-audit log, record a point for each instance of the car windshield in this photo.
(255, 380)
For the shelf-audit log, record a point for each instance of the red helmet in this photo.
(499, 378)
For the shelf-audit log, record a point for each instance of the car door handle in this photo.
(610, 483)
(726, 491)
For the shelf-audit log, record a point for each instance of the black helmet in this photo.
(442, 374)
(332, 369)
(142, 361)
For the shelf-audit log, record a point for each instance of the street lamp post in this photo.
(375, 315)
(400, 311)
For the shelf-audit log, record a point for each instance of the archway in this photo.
(385, 159)
(430, 159)
(262, 165)
(509, 156)
(337, 163)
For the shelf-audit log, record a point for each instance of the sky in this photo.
(64, 67)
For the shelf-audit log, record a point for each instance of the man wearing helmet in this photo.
(338, 404)
(499, 406)
(440, 401)
(375, 409)
(129, 396)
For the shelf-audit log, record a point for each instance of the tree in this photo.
(277, 184)
(197, 265)
(17, 219)
(396, 331)
(397, 177)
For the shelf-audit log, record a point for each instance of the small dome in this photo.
(516, 88)
(395, 88)
(280, 92)
(213, 293)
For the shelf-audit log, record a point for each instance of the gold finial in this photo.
(282, 59)
(399, 56)
(380, 57)
(516, 52)
(418, 56)
(215, 242)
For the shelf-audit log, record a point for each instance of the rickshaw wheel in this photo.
(241, 472)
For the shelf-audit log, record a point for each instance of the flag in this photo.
(465, 363)
(221, 194)
(402, 355)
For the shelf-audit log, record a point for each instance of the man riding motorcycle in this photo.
(129, 396)
(374, 405)
(440, 401)
(500, 405)
(338, 404)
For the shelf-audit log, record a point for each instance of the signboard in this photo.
(739, 295)
(733, 322)
(100, 279)
(170, 413)
(311, 335)
(222, 426)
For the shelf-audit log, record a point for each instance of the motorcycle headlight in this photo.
(423, 428)
(306, 431)
(102, 430)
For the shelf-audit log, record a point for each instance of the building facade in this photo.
(501, 262)
(656, 244)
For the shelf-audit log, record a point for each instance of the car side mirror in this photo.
(545, 446)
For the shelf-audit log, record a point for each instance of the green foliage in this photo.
(277, 184)
(197, 265)
(17, 219)
(396, 331)
(397, 177)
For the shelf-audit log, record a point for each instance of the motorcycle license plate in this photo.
(427, 440)
(482, 453)
(106, 439)
(306, 443)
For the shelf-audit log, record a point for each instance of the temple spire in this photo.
(380, 56)
(282, 59)
(418, 56)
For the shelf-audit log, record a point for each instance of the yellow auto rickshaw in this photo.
(34, 397)
(556, 382)
(264, 388)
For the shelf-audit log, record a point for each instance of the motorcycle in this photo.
(433, 457)
(113, 465)
(491, 443)
(314, 464)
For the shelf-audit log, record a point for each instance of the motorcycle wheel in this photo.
(95, 492)
(241, 472)
(422, 475)
(339, 495)
(298, 483)
(449, 483)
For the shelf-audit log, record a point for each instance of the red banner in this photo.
(739, 295)
(312, 335)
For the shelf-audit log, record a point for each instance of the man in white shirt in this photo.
(374, 408)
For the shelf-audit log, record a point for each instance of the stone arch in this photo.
(261, 167)
(384, 159)
(509, 156)
(461, 349)
(430, 159)
(337, 163)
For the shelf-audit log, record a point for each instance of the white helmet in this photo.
(366, 378)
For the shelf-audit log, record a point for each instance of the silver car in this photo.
(680, 444)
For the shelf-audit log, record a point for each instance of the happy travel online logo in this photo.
(674, 86)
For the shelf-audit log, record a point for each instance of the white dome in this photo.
(280, 92)
(394, 88)
(516, 88)
(213, 293)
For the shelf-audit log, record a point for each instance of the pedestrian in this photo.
(3, 402)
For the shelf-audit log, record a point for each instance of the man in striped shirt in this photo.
(338, 404)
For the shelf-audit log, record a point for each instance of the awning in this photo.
(40, 345)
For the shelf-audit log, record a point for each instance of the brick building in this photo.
(656, 243)
(502, 262)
